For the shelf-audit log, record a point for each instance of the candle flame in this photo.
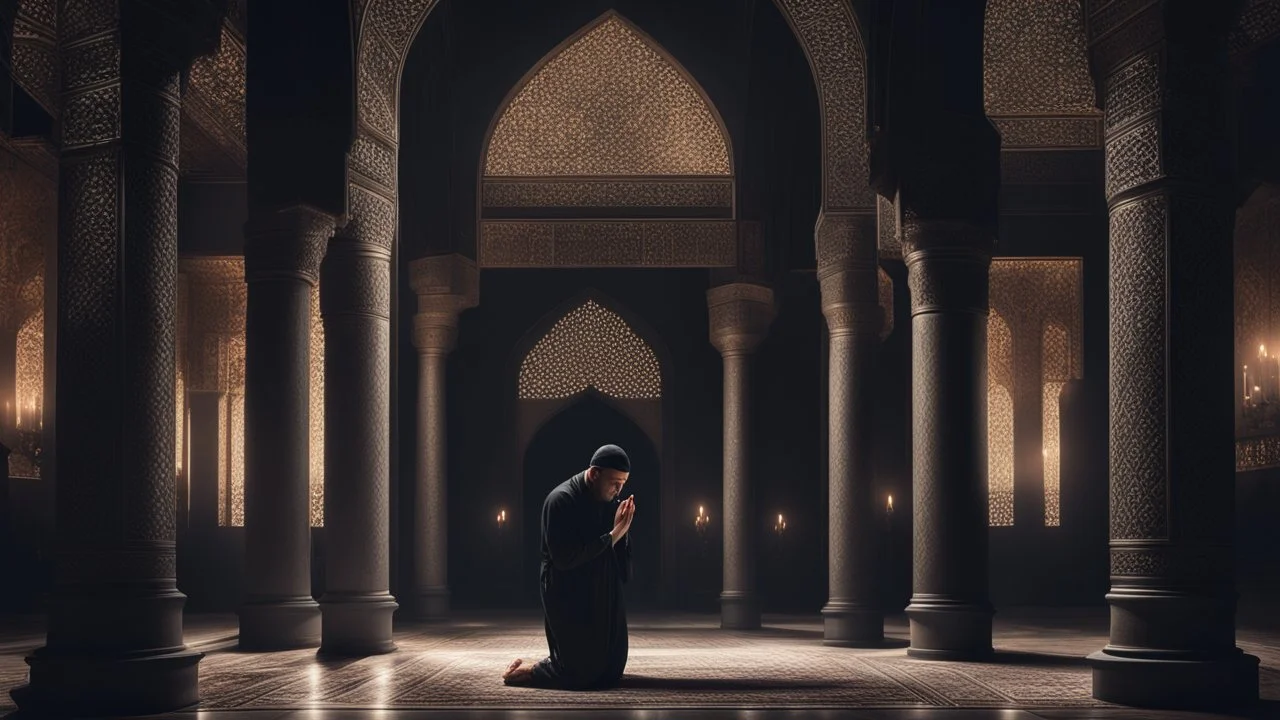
(890, 501)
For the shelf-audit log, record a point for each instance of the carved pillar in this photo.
(938, 157)
(446, 285)
(1168, 184)
(283, 250)
(114, 643)
(847, 271)
(740, 315)
(947, 265)
(355, 303)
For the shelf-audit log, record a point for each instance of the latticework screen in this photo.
(590, 347)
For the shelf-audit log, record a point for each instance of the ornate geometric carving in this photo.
(828, 32)
(1035, 59)
(590, 347)
(355, 282)
(35, 56)
(446, 285)
(1257, 453)
(1049, 132)
(1134, 157)
(372, 217)
(610, 193)
(1000, 452)
(845, 240)
(1132, 91)
(288, 242)
(615, 243)
(1139, 492)
(375, 160)
(215, 95)
(1033, 349)
(316, 411)
(740, 315)
(890, 245)
(615, 105)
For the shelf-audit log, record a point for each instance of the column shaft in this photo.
(1168, 182)
(846, 252)
(431, 531)
(446, 285)
(355, 299)
(115, 642)
(740, 315)
(283, 253)
(950, 614)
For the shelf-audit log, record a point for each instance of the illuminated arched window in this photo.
(1056, 365)
(590, 347)
(29, 382)
(999, 421)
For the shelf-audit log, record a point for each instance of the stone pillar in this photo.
(115, 642)
(355, 303)
(947, 265)
(740, 315)
(283, 250)
(847, 272)
(1169, 188)
(446, 285)
(937, 156)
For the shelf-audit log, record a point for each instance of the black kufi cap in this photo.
(612, 457)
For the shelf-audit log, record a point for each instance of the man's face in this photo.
(608, 482)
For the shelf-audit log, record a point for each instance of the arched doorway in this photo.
(562, 448)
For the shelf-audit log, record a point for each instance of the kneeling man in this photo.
(586, 556)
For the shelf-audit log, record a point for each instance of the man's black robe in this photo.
(581, 589)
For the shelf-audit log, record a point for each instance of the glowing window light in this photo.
(317, 411)
(999, 422)
(590, 347)
(1056, 369)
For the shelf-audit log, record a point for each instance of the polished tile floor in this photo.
(679, 667)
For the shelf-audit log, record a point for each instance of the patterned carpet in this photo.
(678, 662)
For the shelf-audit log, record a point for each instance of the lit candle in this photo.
(889, 505)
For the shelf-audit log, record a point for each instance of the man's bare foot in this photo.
(517, 673)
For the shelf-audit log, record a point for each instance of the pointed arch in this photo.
(608, 101)
(590, 347)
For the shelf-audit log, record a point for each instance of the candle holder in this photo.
(701, 521)
(780, 526)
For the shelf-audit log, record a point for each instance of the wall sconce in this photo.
(888, 506)
(502, 519)
(780, 526)
(701, 521)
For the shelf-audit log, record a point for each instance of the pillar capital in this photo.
(848, 273)
(287, 242)
(740, 315)
(446, 285)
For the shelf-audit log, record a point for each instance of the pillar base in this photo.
(431, 604)
(949, 630)
(1221, 683)
(65, 684)
(852, 625)
(739, 611)
(282, 623)
(356, 625)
